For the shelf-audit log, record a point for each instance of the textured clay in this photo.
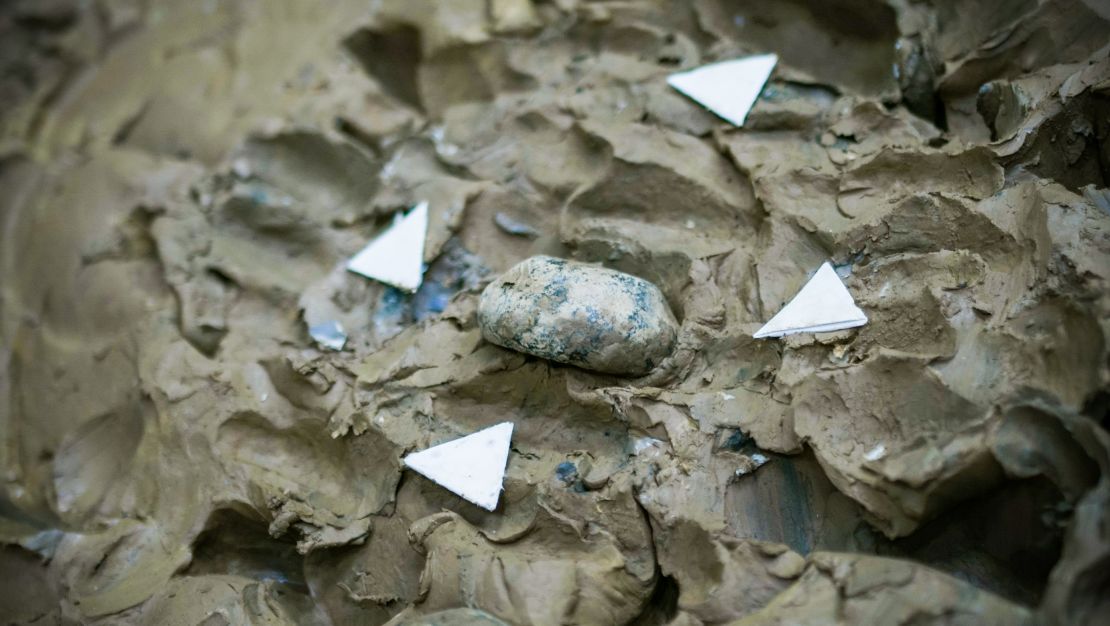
(183, 183)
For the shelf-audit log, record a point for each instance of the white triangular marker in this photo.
(728, 88)
(396, 257)
(472, 466)
(823, 305)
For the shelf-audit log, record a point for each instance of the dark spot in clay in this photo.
(735, 441)
(566, 472)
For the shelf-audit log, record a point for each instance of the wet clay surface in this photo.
(181, 184)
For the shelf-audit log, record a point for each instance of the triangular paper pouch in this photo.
(396, 257)
(728, 88)
(823, 305)
(472, 466)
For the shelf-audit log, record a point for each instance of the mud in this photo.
(181, 184)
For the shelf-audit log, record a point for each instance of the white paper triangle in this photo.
(823, 305)
(728, 88)
(472, 466)
(396, 257)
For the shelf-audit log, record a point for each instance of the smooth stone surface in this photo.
(589, 316)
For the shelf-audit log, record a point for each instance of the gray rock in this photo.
(596, 318)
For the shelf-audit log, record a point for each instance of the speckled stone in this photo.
(596, 318)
